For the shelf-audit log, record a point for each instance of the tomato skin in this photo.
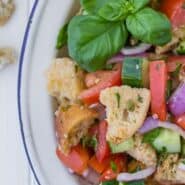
(158, 84)
(120, 161)
(173, 61)
(77, 159)
(103, 149)
(175, 11)
(180, 120)
(106, 79)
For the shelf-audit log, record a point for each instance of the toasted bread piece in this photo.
(143, 152)
(65, 80)
(126, 110)
(168, 171)
(72, 124)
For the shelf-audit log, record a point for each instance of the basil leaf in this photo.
(151, 136)
(92, 6)
(120, 9)
(111, 182)
(92, 40)
(150, 26)
(62, 37)
(141, 182)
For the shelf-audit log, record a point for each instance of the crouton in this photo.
(72, 124)
(65, 80)
(143, 152)
(168, 171)
(126, 109)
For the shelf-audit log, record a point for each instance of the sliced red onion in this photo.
(126, 177)
(91, 176)
(116, 59)
(176, 103)
(152, 123)
(100, 109)
(141, 48)
(181, 166)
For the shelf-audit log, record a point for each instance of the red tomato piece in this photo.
(173, 61)
(120, 162)
(175, 10)
(77, 159)
(180, 120)
(158, 85)
(103, 149)
(105, 79)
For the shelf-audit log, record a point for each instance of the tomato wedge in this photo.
(103, 149)
(120, 165)
(173, 61)
(175, 10)
(98, 81)
(158, 85)
(180, 120)
(77, 159)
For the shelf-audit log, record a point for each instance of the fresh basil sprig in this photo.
(94, 38)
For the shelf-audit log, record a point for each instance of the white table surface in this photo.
(14, 169)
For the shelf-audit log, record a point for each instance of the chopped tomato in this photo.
(180, 120)
(98, 81)
(103, 149)
(175, 10)
(118, 164)
(158, 85)
(173, 61)
(77, 159)
(97, 166)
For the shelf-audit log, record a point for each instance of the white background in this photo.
(14, 169)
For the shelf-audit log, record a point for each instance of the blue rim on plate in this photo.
(21, 61)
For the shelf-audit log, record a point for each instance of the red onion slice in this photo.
(126, 177)
(181, 166)
(141, 48)
(116, 59)
(91, 176)
(151, 123)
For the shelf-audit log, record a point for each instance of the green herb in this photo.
(141, 182)
(92, 40)
(175, 73)
(149, 26)
(62, 37)
(89, 141)
(130, 105)
(109, 66)
(169, 89)
(181, 48)
(113, 166)
(151, 136)
(118, 97)
(111, 182)
(140, 98)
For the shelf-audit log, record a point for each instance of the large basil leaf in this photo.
(92, 6)
(62, 37)
(92, 40)
(120, 9)
(150, 26)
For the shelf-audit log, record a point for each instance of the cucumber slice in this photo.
(135, 72)
(168, 141)
(122, 147)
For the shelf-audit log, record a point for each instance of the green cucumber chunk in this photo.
(135, 72)
(122, 147)
(168, 141)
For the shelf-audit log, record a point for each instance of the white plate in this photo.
(34, 104)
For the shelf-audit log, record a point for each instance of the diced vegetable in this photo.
(76, 160)
(97, 166)
(103, 150)
(168, 141)
(158, 84)
(135, 72)
(176, 102)
(112, 78)
(180, 120)
(120, 165)
(175, 11)
(122, 147)
(181, 48)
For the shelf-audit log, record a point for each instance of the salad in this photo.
(120, 92)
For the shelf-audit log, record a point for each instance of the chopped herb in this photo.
(162, 157)
(113, 166)
(177, 71)
(118, 99)
(140, 98)
(89, 141)
(130, 105)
